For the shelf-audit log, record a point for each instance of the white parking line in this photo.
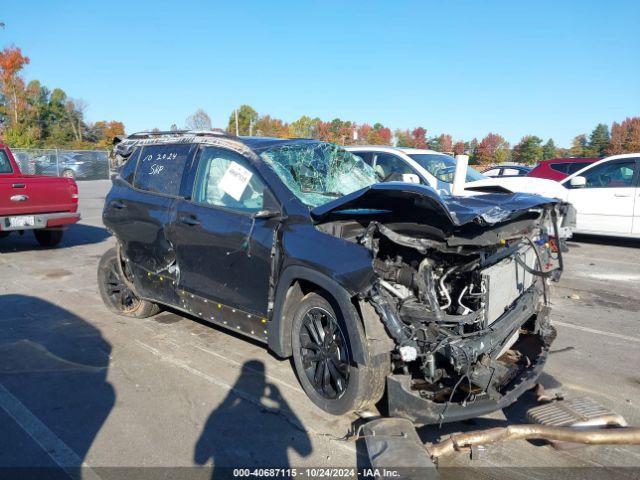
(59, 451)
(599, 332)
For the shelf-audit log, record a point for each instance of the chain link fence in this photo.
(77, 164)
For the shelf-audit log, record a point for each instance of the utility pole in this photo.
(237, 130)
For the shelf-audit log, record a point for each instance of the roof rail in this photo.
(177, 133)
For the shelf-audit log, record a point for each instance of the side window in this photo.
(617, 174)
(5, 165)
(225, 179)
(386, 165)
(160, 168)
(366, 157)
(559, 167)
(575, 167)
(511, 171)
(494, 172)
(129, 168)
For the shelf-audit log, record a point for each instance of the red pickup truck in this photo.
(43, 204)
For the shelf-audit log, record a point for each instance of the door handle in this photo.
(18, 185)
(190, 220)
(625, 195)
(117, 205)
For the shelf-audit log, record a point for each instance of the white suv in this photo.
(436, 169)
(605, 194)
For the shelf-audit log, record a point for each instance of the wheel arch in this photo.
(294, 283)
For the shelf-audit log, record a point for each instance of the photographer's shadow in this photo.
(252, 428)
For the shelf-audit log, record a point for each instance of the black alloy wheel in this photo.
(324, 353)
(121, 296)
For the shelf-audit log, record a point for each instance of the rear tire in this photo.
(48, 238)
(116, 294)
(324, 363)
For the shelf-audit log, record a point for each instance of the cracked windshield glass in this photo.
(319, 172)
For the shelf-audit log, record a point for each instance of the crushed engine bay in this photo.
(467, 309)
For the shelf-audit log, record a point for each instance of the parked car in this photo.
(560, 168)
(437, 169)
(606, 196)
(507, 171)
(43, 204)
(368, 286)
(76, 165)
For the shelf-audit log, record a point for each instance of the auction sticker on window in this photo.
(235, 180)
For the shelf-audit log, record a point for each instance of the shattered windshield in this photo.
(443, 167)
(319, 172)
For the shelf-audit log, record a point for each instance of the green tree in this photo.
(304, 127)
(599, 140)
(529, 150)
(549, 150)
(247, 116)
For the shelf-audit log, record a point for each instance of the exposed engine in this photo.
(445, 302)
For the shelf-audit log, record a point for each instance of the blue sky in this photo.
(549, 68)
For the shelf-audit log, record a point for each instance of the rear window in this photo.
(129, 168)
(160, 168)
(5, 164)
(560, 167)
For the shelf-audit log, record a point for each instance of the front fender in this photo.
(286, 299)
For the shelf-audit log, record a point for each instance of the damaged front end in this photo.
(461, 290)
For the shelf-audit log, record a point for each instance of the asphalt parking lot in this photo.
(80, 386)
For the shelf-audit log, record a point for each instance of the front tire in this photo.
(116, 292)
(48, 238)
(323, 360)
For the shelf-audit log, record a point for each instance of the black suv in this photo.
(370, 286)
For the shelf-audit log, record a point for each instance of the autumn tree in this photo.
(459, 148)
(104, 132)
(492, 149)
(247, 116)
(419, 136)
(625, 136)
(199, 120)
(362, 134)
(549, 150)
(579, 146)
(266, 126)
(379, 135)
(446, 143)
(599, 140)
(12, 85)
(403, 138)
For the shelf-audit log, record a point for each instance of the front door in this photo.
(222, 250)
(606, 203)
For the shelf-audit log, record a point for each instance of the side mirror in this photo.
(410, 178)
(578, 182)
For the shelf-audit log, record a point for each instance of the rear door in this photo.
(223, 252)
(606, 203)
(140, 208)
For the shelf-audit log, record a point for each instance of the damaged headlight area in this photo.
(468, 313)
